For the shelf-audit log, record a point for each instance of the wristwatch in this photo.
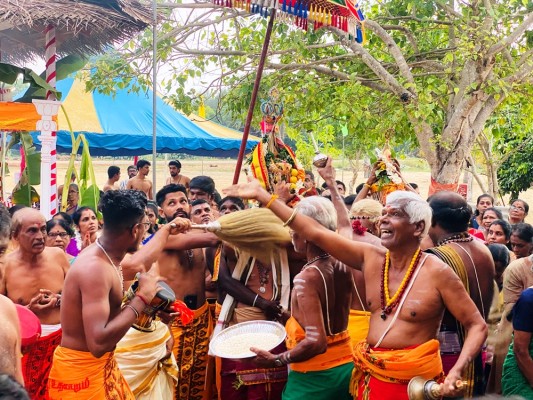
(278, 362)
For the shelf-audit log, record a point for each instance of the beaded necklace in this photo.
(118, 269)
(312, 261)
(458, 237)
(388, 303)
(264, 273)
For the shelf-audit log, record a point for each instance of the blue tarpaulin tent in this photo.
(122, 125)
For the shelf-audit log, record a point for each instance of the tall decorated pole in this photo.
(48, 127)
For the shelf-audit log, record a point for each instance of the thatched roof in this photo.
(83, 27)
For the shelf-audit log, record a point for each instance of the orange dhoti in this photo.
(78, 375)
(36, 364)
(313, 378)
(358, 323)
(384, 373)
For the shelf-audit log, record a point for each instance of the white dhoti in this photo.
(139, 355)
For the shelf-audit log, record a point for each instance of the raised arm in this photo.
(239, 291)
(142, 260)
(347, 251)
(343, 219)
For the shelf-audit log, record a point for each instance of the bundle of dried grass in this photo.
(256, 230)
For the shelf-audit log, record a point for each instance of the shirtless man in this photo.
(406, 309)
(182, 264)
(252, 301)
(139, 181)
(113, 173)
(93, 319)
(9, 322)
(472, 261)
(33, 277)
(132, 171)
(319, 349)
(174, 168)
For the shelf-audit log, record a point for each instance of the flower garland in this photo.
(388, 303)
(358, 228)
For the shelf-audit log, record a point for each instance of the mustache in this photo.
(180, 214)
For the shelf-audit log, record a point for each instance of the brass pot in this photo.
(422, 389)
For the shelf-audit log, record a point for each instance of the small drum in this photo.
(30, 326)
(162, 300)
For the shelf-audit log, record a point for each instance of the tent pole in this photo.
(154, 101)
(255, 90)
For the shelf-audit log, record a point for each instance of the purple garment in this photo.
(72, 247)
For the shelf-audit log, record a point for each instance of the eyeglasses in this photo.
(146, 224)
(518, 208)
(62, 235)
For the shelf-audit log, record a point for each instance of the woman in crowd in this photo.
(518, 211)
(522, 240)
(72, 199)
(517, 376)
(87, 226)
(483, 202)
(487, 217)
(58, 234)
(500, 233)
(152, 212)
(497, 344)
(72, 247)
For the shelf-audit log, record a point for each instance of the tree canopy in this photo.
(432, 73)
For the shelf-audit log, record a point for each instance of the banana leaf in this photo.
(64, 67)
(9, 74)
(24, 192)
(89, 191)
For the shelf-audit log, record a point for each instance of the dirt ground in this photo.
(222, 171)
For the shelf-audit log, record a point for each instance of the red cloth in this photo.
(253, 382)
(36, 364)
(380, 390)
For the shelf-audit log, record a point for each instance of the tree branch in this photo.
(408, 33)
(512, 38)
(395, 51)
(372, 63)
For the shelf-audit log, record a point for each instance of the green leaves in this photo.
(24, 192)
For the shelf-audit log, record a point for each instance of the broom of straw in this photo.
(257, 230)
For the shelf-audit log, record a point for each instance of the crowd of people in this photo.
(371, 295)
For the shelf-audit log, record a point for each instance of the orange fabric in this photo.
(358, 323)
(78, 375)
(339, 350)
(435, 187)
(396, 365)
(19, 117)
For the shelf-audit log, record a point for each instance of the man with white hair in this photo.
(318, 341)
(406, 293)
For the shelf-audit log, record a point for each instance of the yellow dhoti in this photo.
(78, 375)
(139, 355)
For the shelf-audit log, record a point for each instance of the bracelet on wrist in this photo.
(291, 218)
(272, 199)
(133, 309)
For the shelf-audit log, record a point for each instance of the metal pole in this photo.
(255, 90)
(154, 100)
